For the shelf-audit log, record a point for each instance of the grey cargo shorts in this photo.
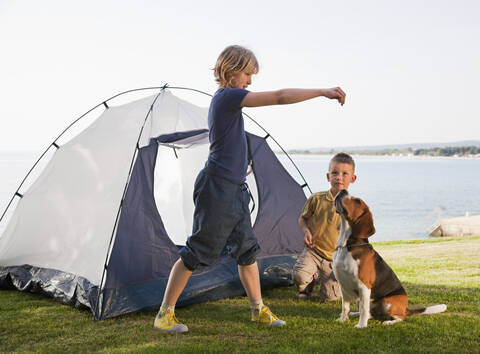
(221, 223)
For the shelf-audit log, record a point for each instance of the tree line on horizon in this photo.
(448, 151)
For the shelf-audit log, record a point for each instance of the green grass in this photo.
(443, 270)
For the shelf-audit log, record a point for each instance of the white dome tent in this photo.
(101, 225)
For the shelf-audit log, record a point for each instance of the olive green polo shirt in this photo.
(323, 222)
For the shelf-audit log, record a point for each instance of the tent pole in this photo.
(98, 308)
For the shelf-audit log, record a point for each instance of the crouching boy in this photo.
(320, 225)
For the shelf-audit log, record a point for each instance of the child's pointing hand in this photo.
(335, 93)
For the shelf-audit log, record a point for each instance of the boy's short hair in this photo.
(232, 60)
(342, 157)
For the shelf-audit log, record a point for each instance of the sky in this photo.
(410, 68)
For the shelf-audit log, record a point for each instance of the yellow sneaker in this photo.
(266, 316)
(166, 321)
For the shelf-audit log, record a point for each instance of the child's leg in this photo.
(177, 281)
(212, 224)
(329, 288)
(305, 269)
(244, 247)
(165, 320)
(250, 279)
(251, 282)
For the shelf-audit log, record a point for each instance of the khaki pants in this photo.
(309, 263)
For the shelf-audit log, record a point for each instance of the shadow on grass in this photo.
(34, 322)
(282, 300)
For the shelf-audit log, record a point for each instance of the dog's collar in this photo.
(350, 247)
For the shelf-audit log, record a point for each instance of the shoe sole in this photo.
(173, 330)
(277, 323)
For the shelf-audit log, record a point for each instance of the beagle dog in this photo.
(362, 274)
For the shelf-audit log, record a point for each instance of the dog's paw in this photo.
(354, 314)
(342, 319)
(360, 325)
(392, 322)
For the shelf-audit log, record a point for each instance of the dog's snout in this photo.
(338, 200)
(342, 194)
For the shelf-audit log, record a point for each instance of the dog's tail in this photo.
(427, 310)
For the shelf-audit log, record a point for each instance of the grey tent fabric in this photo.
(281, 200)
(67, 288)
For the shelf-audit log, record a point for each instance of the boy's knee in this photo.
(301, 278)
(296, 278)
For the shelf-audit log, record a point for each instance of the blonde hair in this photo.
(232, 60)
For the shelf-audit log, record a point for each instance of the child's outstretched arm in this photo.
(288, 96)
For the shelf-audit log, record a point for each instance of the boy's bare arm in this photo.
(302, 222)
(288, 96)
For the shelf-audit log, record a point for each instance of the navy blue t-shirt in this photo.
(228, 155)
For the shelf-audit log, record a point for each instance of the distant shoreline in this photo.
(467, 151)
(313, 154)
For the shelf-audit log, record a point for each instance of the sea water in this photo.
(407, 195)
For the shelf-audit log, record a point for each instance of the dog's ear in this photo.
(363, 227)
(359, 217)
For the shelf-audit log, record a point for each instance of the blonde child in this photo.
(218, 221)
(319, 223)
